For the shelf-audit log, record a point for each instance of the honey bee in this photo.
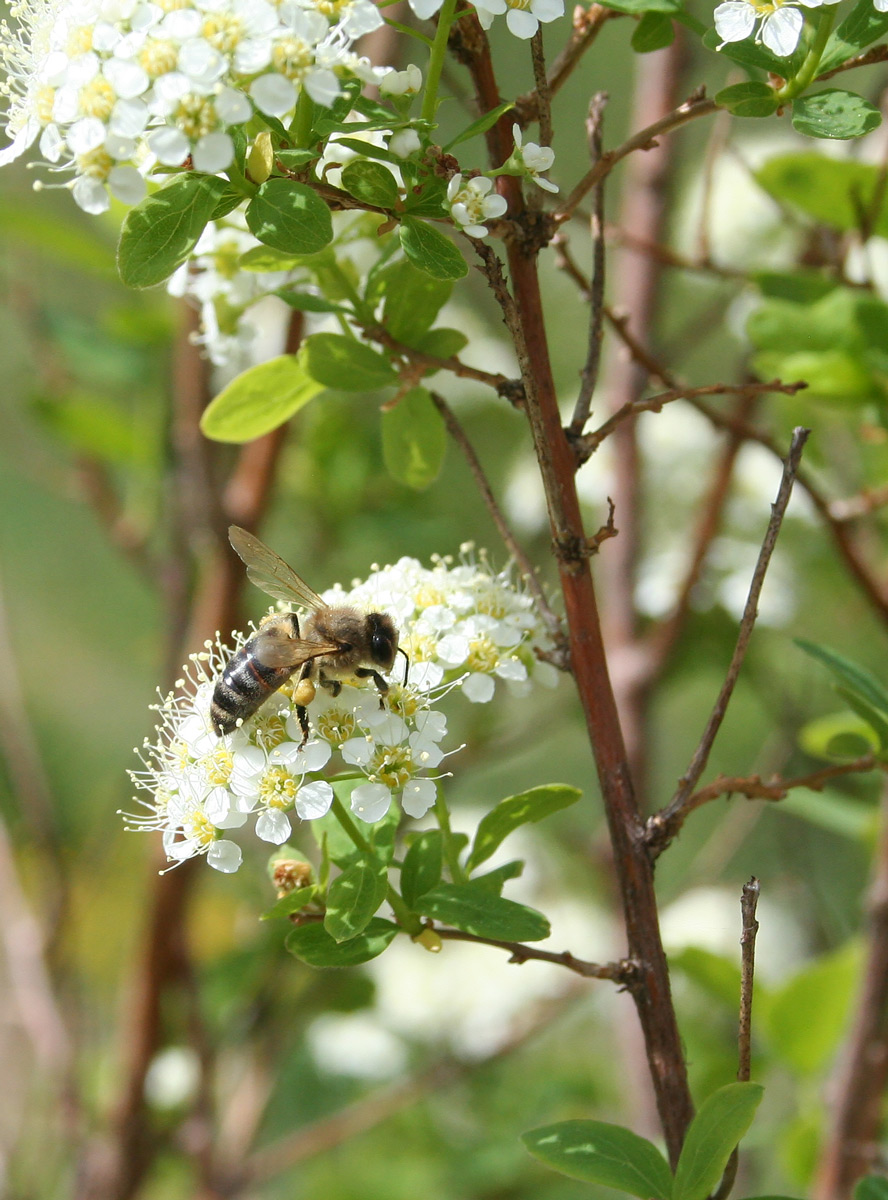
(334, 643)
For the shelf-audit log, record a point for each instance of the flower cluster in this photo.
(474, 202)
(462, 626)
(523, 17)
(112, 88)
(781, 22)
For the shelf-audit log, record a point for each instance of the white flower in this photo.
(536, 159)
(523, 17)
(781, 22)
(406, 141)
(404, 83)
(471, 204)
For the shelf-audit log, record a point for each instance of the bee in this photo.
(334, 643)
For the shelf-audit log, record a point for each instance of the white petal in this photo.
(127, 78)
(225, 856)
(734, 20)
(314, 800)
(85, 135)
(547, 10)
(479, 688)
(170, 145)
(781, 31)
(181, 24)
(418, 797)
(494, 206)
(522, 24)
(273, 94)
(51, 144)
(90, 195)
(214, 152)
(233, 107)
(126, 184)
(322, 86)
(371, 801)
(273, 826)
(357, 751)
(425, 8)
(20, 143)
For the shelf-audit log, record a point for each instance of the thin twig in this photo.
(875, 54)
(695, 106)
(541, 84)
(519, 952)
(587, 24)
(588, 444)
(589, 376)
(697, 765)
(668, 257)
(861, 505)
(459, 435)
(453, 364)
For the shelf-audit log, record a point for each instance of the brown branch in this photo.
(861, 505)
(519, 952)
(667, 257)
(589, 375)
(541, 88)
(459, 435)
(875, 54)
(453, 364)
(587, 24)
(695, 106)
(700, 756)
(587, 445)
(855, 1112)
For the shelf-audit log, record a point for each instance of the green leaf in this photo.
(807, 1017)
(429, 201)
(414, 440)
(832, 191)
(750, 99)
(308, 302)
(719, 977)
(421, 870)
(509, 814)
(477, 910)
(597, 1152)
(353, 898)
(862, 26)
(634, 7)
(653, 32)
(834, 811)
(337, 361)
(264, 258)
(161, 231)
(259, 400)
(431, 250)
(855, 679)
(722, 1120)
(292, 902)
(371, 183)
(873, 716)
(872, 1187)
(834, 113)
(799, 287)
(227, 203)
(481, 125)
(443, 343)
(313, 945)
(367, 149)
(412, 301)
(494, 880)
(838, 736)
(754, 56)
(290, 216)
(294, 159)
(92, 426)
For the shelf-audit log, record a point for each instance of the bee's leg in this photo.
(333, 686)
(304, 690)
(381, 686)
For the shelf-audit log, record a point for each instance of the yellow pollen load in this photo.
(224, 31)
(392, 765)
(44, 99)
(97, 98)
(336, 725)
(196, 116)
(278, 788)
(483, 655)
(292, 57)
(80, 41)
(201, 829)
(158, 57)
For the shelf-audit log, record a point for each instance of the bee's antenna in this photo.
(401, 650)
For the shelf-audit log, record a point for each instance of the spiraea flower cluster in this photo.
(110, 89)
(466, 630)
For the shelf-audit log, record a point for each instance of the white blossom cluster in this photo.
(777, 24)
(463, 627)
(110, 89)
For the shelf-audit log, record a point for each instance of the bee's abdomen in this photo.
(246, 683)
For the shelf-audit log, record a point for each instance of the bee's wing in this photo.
(278, 652)
(270, 573)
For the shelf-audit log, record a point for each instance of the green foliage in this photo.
(414, 440)
(863, 26)
(873, 1187)
(353, 898)
(487, 121)
(258, 400)
(293, 902)
(158, 234)
(654, 31)
(754, 56)
(750, 99)
(312, 944)
(473, 908)
(412, 301)
(336, 361)
(610, 1155)
(371, 183)
(857, 686)
(835, 192)
(834, 113)
(513, 812)
(431, 250)
(290, 216)
(806, 1017)
(721, 1121)
(422, 866)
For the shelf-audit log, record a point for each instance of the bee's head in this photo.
(383, 639)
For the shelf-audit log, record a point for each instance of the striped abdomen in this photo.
(246, 683)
